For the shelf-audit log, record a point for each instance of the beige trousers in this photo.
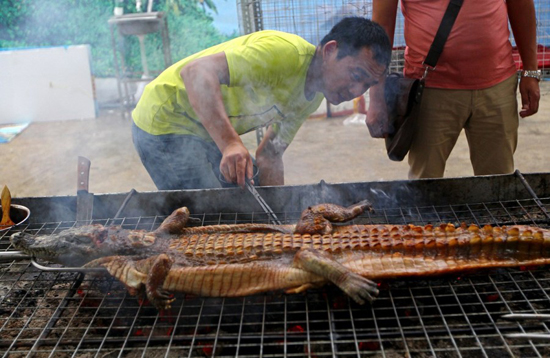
(489, 118)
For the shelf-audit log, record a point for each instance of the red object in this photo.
(543, 57)
(207, 349)
(370, 346)
(340, 302)
(296, 328)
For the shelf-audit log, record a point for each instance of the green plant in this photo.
(34, 23)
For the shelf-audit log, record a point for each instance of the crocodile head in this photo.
(71, 247)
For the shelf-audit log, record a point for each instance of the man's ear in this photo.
(330, 49)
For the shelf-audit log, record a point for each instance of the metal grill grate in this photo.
(312, 19)
(58, 314)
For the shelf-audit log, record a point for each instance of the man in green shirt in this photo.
(188, 121)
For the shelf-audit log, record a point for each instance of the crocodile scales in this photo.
(238, 260)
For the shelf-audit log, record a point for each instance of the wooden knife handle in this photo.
(83, 175)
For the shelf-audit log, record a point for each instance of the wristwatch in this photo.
(532, 73)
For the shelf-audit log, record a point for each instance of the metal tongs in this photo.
(539, 317)
(262, 202)
(256, 195)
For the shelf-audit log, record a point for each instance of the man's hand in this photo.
(236, 164)
(269, 158)
(530, 96)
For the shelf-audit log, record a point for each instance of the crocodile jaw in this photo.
(73, 251)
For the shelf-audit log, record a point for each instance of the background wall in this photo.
(45, 84)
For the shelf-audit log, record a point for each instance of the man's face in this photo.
(348, 77)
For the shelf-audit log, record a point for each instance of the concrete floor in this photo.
(42, 160)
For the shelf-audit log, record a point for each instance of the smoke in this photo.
(394, 203)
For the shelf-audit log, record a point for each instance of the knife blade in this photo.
(84, 199)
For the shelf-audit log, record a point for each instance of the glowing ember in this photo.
(369, 346)
(340, 302)
(206, 348)
(296, 328)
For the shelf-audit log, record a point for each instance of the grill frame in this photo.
(383, 194)
(69, 314)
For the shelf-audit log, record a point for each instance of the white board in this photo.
(46, 84)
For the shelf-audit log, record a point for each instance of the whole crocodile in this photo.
(238, 260)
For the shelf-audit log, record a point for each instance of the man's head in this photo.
(355, 54)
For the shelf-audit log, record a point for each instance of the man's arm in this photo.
(384, 12)
(202, 78)
(269, 158)
(523, 22)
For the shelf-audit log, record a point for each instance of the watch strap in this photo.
(532, 73)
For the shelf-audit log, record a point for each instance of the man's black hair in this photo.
(353, 33)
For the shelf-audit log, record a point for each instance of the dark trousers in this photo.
(176, 161)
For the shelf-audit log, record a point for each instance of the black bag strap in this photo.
(442, 33)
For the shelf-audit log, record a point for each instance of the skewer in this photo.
(66, 269)
(534, 336)
(527, 316)
(541, 317)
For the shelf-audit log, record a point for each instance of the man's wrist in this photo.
(536, 74)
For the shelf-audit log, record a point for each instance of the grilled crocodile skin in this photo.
(236, 260)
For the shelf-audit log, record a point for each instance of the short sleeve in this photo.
(265, 61)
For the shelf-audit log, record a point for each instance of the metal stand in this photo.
(139, 25)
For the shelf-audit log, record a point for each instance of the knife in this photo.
(84, 199)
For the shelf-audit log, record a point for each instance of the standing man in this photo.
(473, 86)
(188, 122)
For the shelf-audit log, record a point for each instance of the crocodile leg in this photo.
(134, 274)
(157, 269)
(175, 223)
(354, 285)
(317, 219)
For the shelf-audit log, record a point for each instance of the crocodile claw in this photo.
(161, 299)
(359, 288)
(163, 304)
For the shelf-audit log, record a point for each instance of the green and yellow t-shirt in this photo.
(267, 72)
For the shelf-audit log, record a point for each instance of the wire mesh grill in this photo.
(58, 314)
(312, 19)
